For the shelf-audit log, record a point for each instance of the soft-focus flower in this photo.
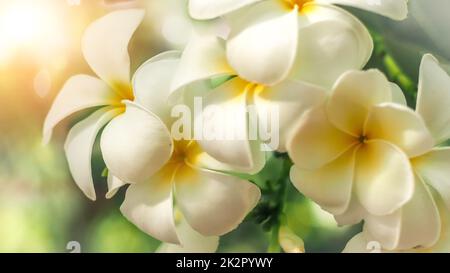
(310, 40)
(289, 241)
(105, 48)
(418, 223)
(138, 149)
(352, 152)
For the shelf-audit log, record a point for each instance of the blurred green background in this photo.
(41, 209)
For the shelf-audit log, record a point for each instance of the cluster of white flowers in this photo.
(358, 150)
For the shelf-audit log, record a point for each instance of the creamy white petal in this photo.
(316, 142)
(329, 186)
(149, 205)
(433, 101)
(151, 84)
(384, 179)
(358, 244)
(288, 101)
(79, 92)
(105, 45)
(213, 203)
(394, 9)
(206, 9)
(190, 241)
(397, 95)
(114, 184)
(416, 224)
(225, 133)
(401, 126)
(203, 58)
(353, 215)
(79, 144)
(353, 96)
(262, 46)
(331, 42)
(136, 144)
(433, 168)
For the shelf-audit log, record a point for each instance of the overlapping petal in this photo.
(79, 144)
(394, 9)
(135, 145)
(205, 9)
(213, 203)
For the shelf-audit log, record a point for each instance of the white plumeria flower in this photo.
(105, 48)
(353, 151)
(310, 40)
(138, 148)
(204, 59)
(418, 223)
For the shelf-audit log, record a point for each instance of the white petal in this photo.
(206, 9)
(79, 144)
(331, 42)
(225, 134)
(316, 142)
(397, 95)
(329, 186)
(353, 96)
(151, 84)
(433, 168)
(384, 179)
(357, 244)
(401, 126)
(353, 215)
(204, 57)
(191, 241)
(263, 45)
(416, 224)
(394, 9)
(105, 45)
(213, 203)
(79, 92)
(290, 100)
(433, 101)
(149, 205)
(114, 184)
(135, 145)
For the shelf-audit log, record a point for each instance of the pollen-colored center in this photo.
(300, 4)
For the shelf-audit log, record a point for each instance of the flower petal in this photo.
(191, 241)
(331, 42)
(151, 84)
(316, 142)
(135, 145)
(149, 205)
(397, 95)
(206, 9)
(329, 186)
(204, 57)
(433, 169)
(353, 96)
(394, 9)
(225, 131)
(433, 101)
(213, 203)
(79, 92)
(358, 244)
(384, 179)
(105, 45)
(114, 184)
(288, 100)
(79, 144)
(353, 215)
(416, 224)
(262, 46)
(401, 126)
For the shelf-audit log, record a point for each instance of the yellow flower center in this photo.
(362, 139)
(124, 90)
(300, 4)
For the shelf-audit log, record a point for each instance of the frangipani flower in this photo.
(105, 48)
(204, 59)
(418, 223)
(138, 149)
(309, 40)
(353, 151)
